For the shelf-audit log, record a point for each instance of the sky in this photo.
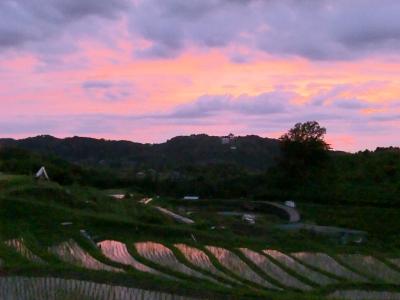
(149, 70)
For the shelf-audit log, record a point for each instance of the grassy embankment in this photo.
(35, 211)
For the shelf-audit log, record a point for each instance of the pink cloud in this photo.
(85, 77)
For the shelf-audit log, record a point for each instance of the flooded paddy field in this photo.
(300, 269)
(200, 259)
(19, 246)
(71, 252)
(233, 263)
(269, 270)
(274, 271)
(164, 256)
(326, 263)
(372, 267)
(118, 252)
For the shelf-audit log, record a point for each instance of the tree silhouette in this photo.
(303, 147)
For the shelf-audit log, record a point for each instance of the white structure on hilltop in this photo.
(227, 139)
(42, 174)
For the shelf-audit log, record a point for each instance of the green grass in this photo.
(35, 210)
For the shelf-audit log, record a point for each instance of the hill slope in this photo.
(250, 152)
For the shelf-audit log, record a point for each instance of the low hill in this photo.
(202, 165)
(250, 152)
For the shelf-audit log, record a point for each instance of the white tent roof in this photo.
(42, 173)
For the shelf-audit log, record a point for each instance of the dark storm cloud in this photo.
(315, 29)
(279, 107)
(171, 25)
(97, 84)
(73, 9)
(36, 20)
(108, 90)
(351, 104)
(208, 105)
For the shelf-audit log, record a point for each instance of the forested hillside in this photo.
(251, 152)
(363, 178)
(366, 177)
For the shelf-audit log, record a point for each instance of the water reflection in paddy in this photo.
(302, 270)
(164, 256)
(118, 252)
(19, 246)
(273, 270)
(71, 252)
(201, 260)
(233, 263)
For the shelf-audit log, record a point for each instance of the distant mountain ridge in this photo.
(250, 152)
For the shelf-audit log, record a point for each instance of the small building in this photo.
(42, 174)
(191, 198)
(227, 139)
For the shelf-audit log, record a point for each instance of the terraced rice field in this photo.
(118, 252)
(201, 260)
(71, 252)
(19, 246)
(274, 271)
(365, 295)
(164, 256)
(233, 263)
(326, 263)
(371, 266)
(302, 270)
(25, 288)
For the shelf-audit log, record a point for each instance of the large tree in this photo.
(304, 147)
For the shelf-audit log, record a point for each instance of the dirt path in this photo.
(175, 216)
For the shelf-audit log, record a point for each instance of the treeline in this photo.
(304, 171)
(211, 181)
(364, 178)
(251, 152)
(14, 160)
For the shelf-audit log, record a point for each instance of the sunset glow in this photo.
(150, 70)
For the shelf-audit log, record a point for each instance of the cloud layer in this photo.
(316, 30)
(23, 22)
(148, 70)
